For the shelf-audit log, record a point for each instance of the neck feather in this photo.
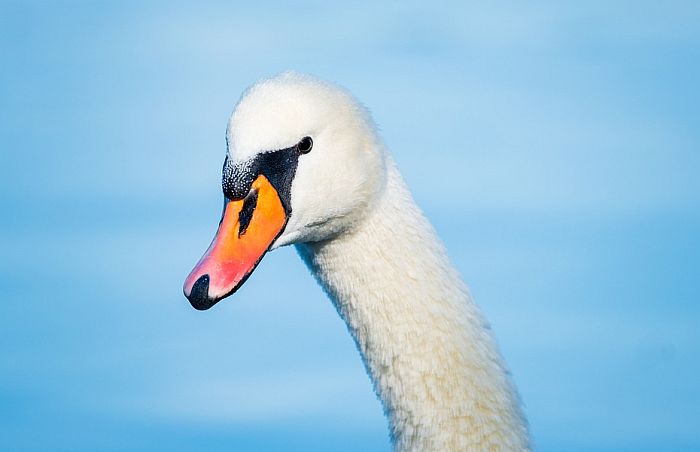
(426, 347)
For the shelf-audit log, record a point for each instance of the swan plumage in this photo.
(430, 354)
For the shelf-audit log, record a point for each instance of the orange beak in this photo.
(247, 229)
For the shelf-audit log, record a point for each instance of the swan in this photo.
(305, 166)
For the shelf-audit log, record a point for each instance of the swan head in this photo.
(303, 164)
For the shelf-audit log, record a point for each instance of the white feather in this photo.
(426, 347)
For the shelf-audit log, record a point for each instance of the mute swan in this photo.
(305, 166)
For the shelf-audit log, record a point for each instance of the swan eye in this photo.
(305, 145)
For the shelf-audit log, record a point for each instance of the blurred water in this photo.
(554, 147)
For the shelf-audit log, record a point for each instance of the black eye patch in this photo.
(279, 167)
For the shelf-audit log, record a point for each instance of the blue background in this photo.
(555, 146)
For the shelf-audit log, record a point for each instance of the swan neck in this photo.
(425, 345)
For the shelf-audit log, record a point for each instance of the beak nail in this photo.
(199, 296)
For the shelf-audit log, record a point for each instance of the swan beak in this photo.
(247, 229)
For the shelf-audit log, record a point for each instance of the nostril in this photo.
(199, 296)
(249, 204)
